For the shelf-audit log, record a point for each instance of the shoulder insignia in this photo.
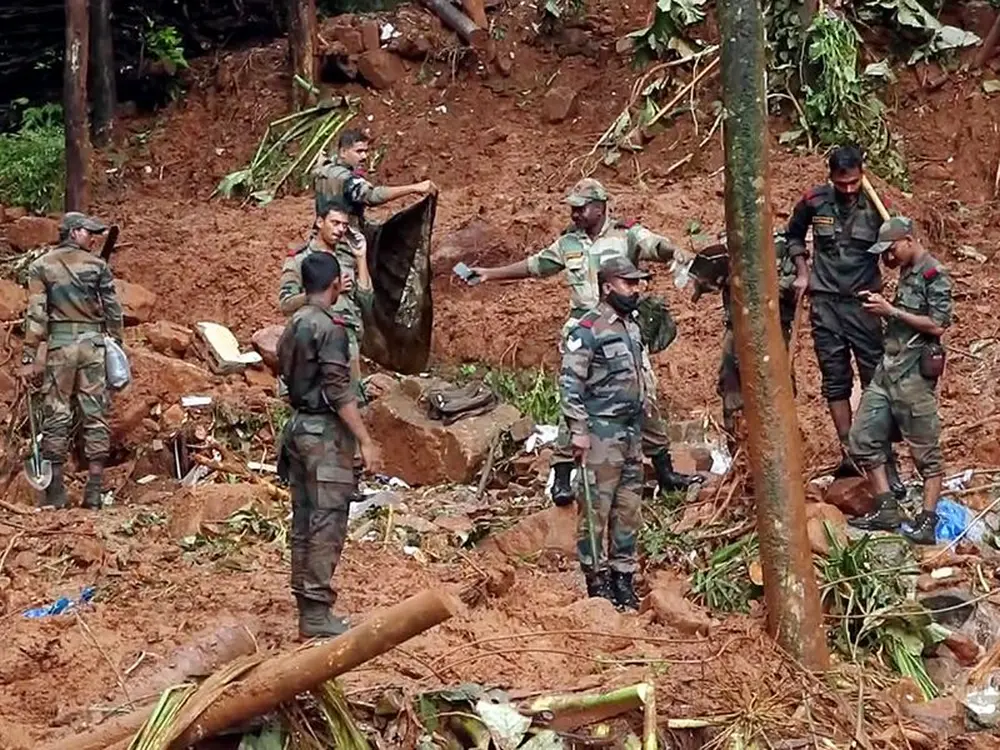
(931, 273)
(587, 323)
(337, 319)
(818, 191)
(573, 343)
(296, 250)
(628, 224)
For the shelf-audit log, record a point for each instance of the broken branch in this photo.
(461, 24)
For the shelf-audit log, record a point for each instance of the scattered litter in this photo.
(416, 553)
(983, 706)
(145, 480)
(969, 252)
(194, 402)
(257, 466)
(389, 32)
(507, 726)
(543, 435)
(61, 605)
(939, 573)
(959, 481)
(721, 460)
(224, 352)
(823, 482)
(953, 519)
(441, 109)
(195, 475)
(373, 499)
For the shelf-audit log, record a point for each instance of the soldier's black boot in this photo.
(668, 479)
(922, 530)
(895, 483)
(317, 621)
(55, 493)
(885, 517)
(94, 490)
(623, 591)
(562, 489)
(598, 585)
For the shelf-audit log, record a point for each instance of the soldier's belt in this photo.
(618, 419)
(73, 327)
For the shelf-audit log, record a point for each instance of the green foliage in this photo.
(32, 160)
(164, 44)
(535, 393)
(552, 14)
(667, 31)
(724, 583)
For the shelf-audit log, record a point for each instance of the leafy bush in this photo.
(164, 43)
(32, 160)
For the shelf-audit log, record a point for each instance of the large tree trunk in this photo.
(75, 105)
(301, 48)
(102, 72)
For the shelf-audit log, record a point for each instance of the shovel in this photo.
(37, 470)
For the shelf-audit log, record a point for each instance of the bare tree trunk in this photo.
(989, 45)
(75, 105)
(102, 72)
(301, 48)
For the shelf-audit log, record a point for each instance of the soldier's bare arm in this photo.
(938, 317)
(360, 191)
(109, 303)
(545, 262)
(643, 244)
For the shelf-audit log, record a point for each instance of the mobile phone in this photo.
(466, 274)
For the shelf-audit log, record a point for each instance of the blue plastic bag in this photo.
(60, 605)
(953, 519)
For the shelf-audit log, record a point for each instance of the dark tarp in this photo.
(398, 331)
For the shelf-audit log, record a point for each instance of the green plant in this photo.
(666, 33)
(164, 44)
(32, 160)
(534, 392)
(724, 583)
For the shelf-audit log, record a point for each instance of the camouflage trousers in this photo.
(75, 377)
(318, 453)
(613, 480)
(908, 404)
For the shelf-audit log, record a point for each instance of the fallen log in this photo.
(476, 12)
(461, 24)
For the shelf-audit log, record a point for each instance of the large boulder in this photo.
(13, 300)
(552, 529)
(212, 502)
(819, 518)
(167, 378)
(168, 338)
(381, 69)
(30, 232)
(265, 341)
(137, 302)
(851, 494)
(423, 451)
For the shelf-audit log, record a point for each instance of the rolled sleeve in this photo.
(36, 319)
(939, 302)
(548, 261)
(112, 308)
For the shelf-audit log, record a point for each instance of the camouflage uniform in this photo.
(317, 449)
(603, 394)
(729, 369)
(72, 304)
(350, 306)
(841, 268)
(338, 181)
(580, 257)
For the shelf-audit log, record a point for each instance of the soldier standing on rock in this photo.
(603, 398)
(902, 391)
(343, 179)
(593, 238)
(845, 224)
(71, 306)
(319, 443)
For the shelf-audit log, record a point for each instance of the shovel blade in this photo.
(39, 475)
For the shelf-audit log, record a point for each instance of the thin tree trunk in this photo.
(103, 93)
(301, 48)
(989, 45)
(75, 105)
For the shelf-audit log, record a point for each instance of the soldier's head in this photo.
(588, 201)
(352, 147)
(81, 229)
(896, 243)
(847, 165)
(620, 282)
(332, 221)
(321, 278)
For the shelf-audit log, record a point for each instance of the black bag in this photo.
(453, 403)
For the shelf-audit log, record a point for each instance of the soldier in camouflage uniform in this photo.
(343, 179)
(71, 306)
(332, 223)
(603, 398)
(593, 238)
(318, 443)
(844, 225)
(902, 391)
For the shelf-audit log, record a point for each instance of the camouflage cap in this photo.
(586, 191)
(76, 220)
(620, 267)
(894, 229)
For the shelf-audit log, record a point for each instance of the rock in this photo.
(522, 429)
(701, 457)
(819, 516)
(941, 717)
(423, 451)
(8, 387)
(414, 48)
(168, 338)
(172, 418)
(371, 36)
(349, 37)
(552, 529)
(265, 341)
(129, 419)
(670, 607)
(380, 69)
(137, 302)
(19, 492)
(559, 104)
(378, 384)
(167, 378)
(964, 648)
(472, 238)
(30, 232)
(87, 551)
(13, 213)
(212, 502)
(851, 494)
(13, 300)
(945, 671)
(260, 379)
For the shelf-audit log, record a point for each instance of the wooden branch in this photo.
(474, 36)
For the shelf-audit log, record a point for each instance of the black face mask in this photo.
(623, 304)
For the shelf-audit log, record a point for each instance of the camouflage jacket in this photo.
(337, 180)
(841, 238)
(924, 289)
(349, 305)
(602, 371)
(314, 362)
(71, 293)
(786, 277)
(581, 257)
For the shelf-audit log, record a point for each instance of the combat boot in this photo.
(55, 493)
(598, 585)
(93, 491)
(317, 621)
(668, 479)
(562, 489)
(892, 474)
(623, 591)
(885, 517)
(923, 528)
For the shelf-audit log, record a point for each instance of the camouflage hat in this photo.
(620, 267)
(896, 228)
(586, 191)
(75, 220)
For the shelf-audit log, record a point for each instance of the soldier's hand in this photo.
(371, 456)
(581, 448)
(482, 273)
(346, 283)
(800, 285)
(874, 302)
(428, 188)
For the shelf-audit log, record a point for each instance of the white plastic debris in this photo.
(194, 402)
(543, 435)
(721, 460)
(959, 481)
(146, 479)
(389, 32)
(441, 109)
(257, 466)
